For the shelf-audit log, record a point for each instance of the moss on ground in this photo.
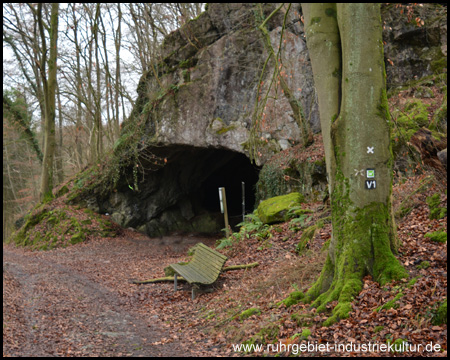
(398, 345)
(307, 236)
(306, 333)
(436, 211)
(437, 236)
(423, 265)
(47, 227)
(408, 122)
(440, 316)
(391, 303)
(249, 312)
(293, 298)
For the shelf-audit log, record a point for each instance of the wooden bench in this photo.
(203, 269)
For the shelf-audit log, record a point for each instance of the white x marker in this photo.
(370, 149)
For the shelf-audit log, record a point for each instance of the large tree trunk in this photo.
(49, 99)
(346, 51)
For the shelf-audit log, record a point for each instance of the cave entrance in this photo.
(184, 195)
(237, 170)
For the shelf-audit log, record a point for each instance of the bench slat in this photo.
(209, 255)
(204, 268)
(212, 265)
(208, 261)
(196, 272)
(191, 275)
(206, 249)
(194, 275)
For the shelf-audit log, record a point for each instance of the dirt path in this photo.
(78, 302)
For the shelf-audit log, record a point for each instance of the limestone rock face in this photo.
(213, 101)
(215, 80)
(414, 50)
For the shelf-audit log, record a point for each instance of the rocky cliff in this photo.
(215, 109)
(217, 86)
(213, 103)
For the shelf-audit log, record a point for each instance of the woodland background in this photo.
(102, 51)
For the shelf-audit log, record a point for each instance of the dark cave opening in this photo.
(231, 175)
(184, 194)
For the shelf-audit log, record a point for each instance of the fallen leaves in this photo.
(209, 325)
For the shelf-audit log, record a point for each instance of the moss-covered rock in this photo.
(275, 209)
(48, 227)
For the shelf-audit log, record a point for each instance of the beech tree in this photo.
(346, 50)
(49, 85)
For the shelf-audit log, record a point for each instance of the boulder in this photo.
(442, 156)
(275, 209)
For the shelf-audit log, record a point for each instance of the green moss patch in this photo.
(436, 211)
(306, 333)
(398, 345)
(249, 312)
(438, 236)
(423, 265)
(48, 227)
(407, 122)
(391, 303)
(293, 298)
(307, 236)
(275, 209)
(440, 316)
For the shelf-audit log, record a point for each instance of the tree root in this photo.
(238, 267)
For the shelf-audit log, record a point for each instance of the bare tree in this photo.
(49, 83)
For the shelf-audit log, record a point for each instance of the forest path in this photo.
(78, 301)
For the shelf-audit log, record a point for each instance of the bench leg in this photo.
(195, 288)
(175, 281)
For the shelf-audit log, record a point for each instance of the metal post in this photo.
(243, 201)
(223, 208)
(175, 281)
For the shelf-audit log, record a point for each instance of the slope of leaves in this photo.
(211, 323)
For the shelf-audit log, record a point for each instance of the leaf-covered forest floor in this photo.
(78, 301)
